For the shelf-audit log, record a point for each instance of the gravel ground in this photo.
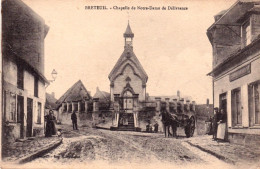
(117, 149)
(241, 156)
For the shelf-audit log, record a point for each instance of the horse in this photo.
(169, 121)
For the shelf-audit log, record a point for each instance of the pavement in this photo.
(238, 155)
(28, 149)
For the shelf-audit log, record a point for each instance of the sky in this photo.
(171, 45)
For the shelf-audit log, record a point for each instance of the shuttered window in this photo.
(236, 107)
(254, 104)
(36, 91)
(39, 113)
(20, 77)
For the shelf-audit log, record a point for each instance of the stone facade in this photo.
(236, 69)
(23, 33)
(127, 86)
(128, 73)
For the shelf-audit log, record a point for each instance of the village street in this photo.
(94, 146)
(86, 64)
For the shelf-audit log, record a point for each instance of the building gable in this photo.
(125, 61)
(77, 92)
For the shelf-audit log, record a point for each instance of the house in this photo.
(171, 97)
(75, 99)
(23, 34)
(127, 84)
(103, 100)
(102, 95)
(235, 39)
(103, 113)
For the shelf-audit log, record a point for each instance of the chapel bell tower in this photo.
(128, 35)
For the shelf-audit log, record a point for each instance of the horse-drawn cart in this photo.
(186, 121)
(183, 118)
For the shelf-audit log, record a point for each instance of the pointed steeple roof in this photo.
(128, 31)
(128, 58)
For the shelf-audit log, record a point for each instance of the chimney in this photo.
(175, 105)
(167, 104)
(97, 89)
(193, 105)
(179, 94)
(182, 104)
(188, 105)
(158, 104)
(219, 15)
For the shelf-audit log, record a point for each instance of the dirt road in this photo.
(93, 147)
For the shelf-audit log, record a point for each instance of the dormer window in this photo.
(246, 34)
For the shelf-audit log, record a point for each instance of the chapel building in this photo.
(127, 84)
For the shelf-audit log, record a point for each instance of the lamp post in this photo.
(54, 76)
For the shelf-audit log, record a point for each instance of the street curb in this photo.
(223, 158)
(39, 153)
(104, 128)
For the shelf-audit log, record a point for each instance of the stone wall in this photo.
(65, 117)
(24, 31)
(244, 139)
(10, 132)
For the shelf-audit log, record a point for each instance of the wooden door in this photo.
(20, 114)
(236, 107)
(29, 117)
(223, 102)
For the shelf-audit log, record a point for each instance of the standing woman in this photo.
(50, 124)
(215, 123)
(222, 127)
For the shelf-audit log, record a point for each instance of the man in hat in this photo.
(74, 120)
(215, 123)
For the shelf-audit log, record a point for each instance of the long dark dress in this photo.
(50, 126)
(215, 124)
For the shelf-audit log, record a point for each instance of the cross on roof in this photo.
(128, 16)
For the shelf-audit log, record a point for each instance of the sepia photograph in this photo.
(130, 84)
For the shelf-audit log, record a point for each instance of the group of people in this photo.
(150, 128)
(219, 124)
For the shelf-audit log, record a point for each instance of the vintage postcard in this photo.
(130, 84)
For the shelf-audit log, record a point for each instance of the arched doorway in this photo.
(128, 102)
(126, 116)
